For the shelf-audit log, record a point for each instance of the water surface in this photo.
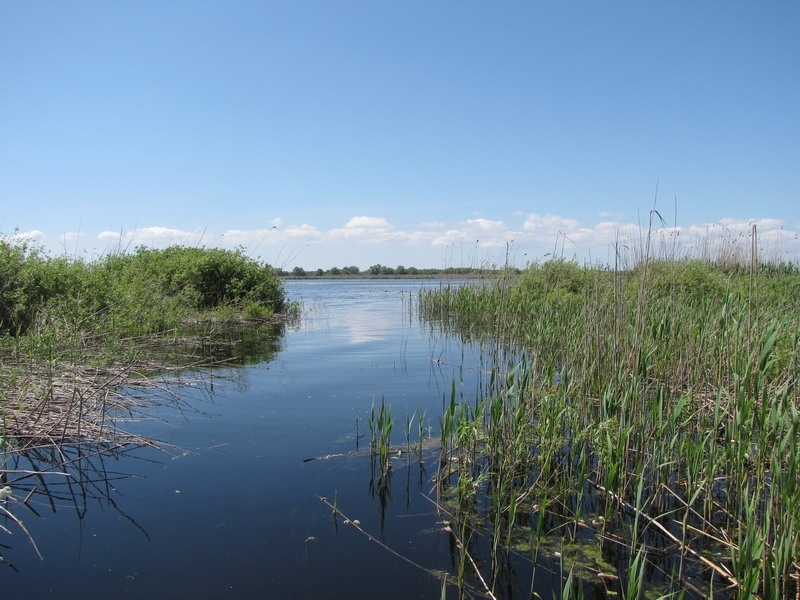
(232, 508)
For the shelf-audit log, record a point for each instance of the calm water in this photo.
(232, 510)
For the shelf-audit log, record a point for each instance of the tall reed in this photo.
(657, 410)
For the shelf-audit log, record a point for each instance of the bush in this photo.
(29, 280)
(149, 290)
(555, 277)
(683, 280)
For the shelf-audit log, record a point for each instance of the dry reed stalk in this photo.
(356, 524)
(475, 568)
(59, 422)
(719, 569)
(80, 406)
(6, 495)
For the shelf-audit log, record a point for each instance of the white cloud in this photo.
(486, 233)
(530, 237)
(254, 237)
(364, 227)
(19, 237)
(155, 236)
(738, 224)
(302, 233)
(368, 223)
(549, 224)
(372, 230)
(733, 239)
(487, 224)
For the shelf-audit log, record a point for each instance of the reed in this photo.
(657, 410)
(380, 427)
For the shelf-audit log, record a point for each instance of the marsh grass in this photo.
(651, 413)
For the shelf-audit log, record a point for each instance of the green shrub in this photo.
(29, 281)
(556, 276)
(687, 280)
(146, 291)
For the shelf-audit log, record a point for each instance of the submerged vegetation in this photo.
(72, 333)
(638, 427)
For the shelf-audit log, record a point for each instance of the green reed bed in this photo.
(641, 426)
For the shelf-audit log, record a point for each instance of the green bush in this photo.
(213, 277)
(555, 277)
(146, 291)
(687, 280)
(29, 281)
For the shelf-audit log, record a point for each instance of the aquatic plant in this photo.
(380, 427)
(656, 411)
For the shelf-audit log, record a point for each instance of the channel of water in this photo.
(231, 508)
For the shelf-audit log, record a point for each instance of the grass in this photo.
(656, 411)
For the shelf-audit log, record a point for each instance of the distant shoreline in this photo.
(311, 276)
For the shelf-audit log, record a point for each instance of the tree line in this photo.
(379, 270)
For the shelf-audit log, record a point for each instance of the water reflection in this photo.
(48, 475)
(356, 312)
(49, 478)
(239, 344)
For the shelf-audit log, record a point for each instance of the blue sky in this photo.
(432, 134)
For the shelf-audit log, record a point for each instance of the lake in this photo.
(231, 507)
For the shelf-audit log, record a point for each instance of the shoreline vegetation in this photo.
(74, 334)
(639, 428)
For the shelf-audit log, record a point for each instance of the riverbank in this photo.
(73, 333)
